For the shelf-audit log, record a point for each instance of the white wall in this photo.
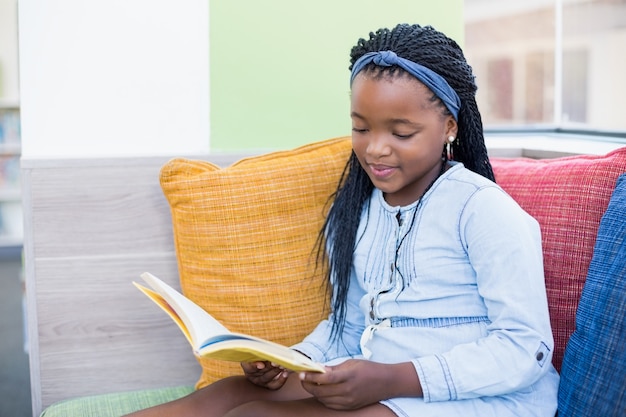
(114, 77)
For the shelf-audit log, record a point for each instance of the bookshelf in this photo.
(11, 222)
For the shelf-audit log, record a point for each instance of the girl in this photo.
(439, 305)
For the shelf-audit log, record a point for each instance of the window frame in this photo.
(558, 128)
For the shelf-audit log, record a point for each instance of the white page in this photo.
(201, 325)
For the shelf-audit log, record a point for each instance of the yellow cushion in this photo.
(245, 240)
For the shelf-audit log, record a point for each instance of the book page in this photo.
(200, 324)
(162, 302)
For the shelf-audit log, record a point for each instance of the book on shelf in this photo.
(210, 339)
(10, 131)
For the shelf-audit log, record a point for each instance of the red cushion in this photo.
(567, 196)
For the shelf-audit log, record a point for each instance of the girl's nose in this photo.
(378, 146)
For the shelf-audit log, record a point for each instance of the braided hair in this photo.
(432, 49)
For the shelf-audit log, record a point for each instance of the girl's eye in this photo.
(400, 136)
(357, 130)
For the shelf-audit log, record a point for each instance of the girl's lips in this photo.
(381, 171)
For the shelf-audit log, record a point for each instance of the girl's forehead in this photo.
(403, 97)
(400, 87)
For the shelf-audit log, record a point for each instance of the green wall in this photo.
(279, 68)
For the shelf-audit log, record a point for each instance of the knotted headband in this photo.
(435, 82)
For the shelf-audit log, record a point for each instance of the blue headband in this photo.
(428, 77)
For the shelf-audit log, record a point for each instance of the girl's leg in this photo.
(308, 407)
(222, 396)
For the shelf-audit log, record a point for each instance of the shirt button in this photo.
(539, 356)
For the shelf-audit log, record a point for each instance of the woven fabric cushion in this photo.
(245, 240)
(593, 377)
(116, 404)
(568, 197)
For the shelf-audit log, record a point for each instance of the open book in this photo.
(209, 338)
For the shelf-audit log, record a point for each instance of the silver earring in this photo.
(448, 150)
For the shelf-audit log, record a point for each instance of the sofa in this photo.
(243, 239)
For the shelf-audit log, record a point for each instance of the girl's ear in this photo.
(452, 128)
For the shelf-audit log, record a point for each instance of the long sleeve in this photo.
(503, 244)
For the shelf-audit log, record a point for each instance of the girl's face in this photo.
(398, 135)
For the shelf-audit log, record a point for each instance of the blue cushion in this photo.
(593, 375)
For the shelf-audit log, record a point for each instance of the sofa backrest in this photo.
(93, 225)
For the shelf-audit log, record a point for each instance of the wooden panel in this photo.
(93, 321)
(91, 227)
(102, 210)
(32, 331)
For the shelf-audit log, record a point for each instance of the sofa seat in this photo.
(115, 404)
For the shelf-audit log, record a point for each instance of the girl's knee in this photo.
(254, 409)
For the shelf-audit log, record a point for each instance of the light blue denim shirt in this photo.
(453, 283)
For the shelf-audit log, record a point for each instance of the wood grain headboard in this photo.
(91, 227)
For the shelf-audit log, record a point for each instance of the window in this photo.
(549, 63)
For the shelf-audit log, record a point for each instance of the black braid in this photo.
(443, 55)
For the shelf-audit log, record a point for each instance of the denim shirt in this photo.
(452, 283)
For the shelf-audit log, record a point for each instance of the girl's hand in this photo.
(357, 383)
(265, 374)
